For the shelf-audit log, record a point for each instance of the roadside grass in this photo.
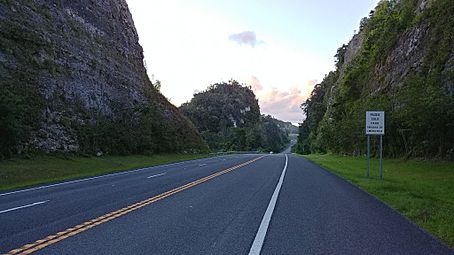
(19, 173)
(422, 190)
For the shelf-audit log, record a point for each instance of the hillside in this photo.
(73, 80)
(228, 117)
(287, 127)
(401, 61)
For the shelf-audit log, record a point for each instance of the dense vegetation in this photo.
(20, 101)
(147, 129)
(228, 117)
(285, 126)
(132, 131)
(19, 113)
(274, 135)
(417, 98)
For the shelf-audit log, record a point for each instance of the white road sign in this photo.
(375, 123)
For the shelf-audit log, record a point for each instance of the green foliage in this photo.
(441, 38)
(314, 109)
(143, 129)
(419, 110)
(273, 139)
(21, 104)
(10, 122)
(228, 117)
(383, 28)
(428, 119)
(19, 114)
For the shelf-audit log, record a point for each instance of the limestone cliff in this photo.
(76, 70)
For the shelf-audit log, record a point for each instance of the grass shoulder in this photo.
(422, 190)
(20, 173)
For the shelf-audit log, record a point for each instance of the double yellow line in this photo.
(42, 243)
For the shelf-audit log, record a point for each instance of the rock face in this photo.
(406, 57)
(83, 60)
(353, 48)
(402, 62)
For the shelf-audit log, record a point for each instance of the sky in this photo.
(279, 48)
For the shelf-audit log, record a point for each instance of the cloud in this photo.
(246, 37)
(312, 83)
(255, 84)
(284, 105)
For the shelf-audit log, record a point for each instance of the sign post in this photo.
(375, 125)
(368, 156)
(381, 156)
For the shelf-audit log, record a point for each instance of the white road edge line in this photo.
(156, 175)
(101, 176)
(261, 233)
(24, 206)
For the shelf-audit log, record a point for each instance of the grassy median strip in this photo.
(18, 173)
(422, 190)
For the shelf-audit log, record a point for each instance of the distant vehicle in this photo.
(271, 152)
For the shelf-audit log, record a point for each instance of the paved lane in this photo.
(216, 217)
(210, 206)
(75, 203)
(320, 213)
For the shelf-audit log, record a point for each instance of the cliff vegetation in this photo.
(402, 62)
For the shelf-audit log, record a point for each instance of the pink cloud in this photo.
(255, 84)
(312, 82)
(284, 105)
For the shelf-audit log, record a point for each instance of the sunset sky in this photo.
(280, 48)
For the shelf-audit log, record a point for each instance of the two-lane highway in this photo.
(73, 203)
(236, 204)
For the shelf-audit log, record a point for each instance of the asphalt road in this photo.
(235, 204)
